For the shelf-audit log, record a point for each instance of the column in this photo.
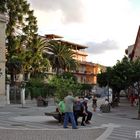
(2, 60)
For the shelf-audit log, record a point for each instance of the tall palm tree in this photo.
(15, 61)
(60, 56)
(38, 63)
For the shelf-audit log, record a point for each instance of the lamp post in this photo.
(108, 92)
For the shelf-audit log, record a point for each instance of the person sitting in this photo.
(86, 111)
(106, 102)
(78, 111)
(41, 101)
(61, 110)
(105, 107)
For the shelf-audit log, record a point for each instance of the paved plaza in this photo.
(30, 123)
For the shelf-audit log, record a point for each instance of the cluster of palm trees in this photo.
(41, 56)
(27, 52)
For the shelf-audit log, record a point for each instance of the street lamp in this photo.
(108, 91)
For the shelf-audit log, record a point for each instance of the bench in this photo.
(53, 114)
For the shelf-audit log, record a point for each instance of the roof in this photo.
(88, 63)
(135, 45)
(77, 46)
(52, 36)
(74, 45)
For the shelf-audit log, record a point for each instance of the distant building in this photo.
(133, 51)
(129, 50)
(87, 71)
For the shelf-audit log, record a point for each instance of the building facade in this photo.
(87, 72)
(133, 51)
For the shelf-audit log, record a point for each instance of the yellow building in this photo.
(87, 71)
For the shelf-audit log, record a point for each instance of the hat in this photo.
(86, 99)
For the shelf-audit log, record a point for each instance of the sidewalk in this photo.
(30, 123)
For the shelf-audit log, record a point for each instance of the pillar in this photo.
(2, 60)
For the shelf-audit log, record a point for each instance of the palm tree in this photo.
(70, 63)
(38, 63)
(15, 58)
(60, 56)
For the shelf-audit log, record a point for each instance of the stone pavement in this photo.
(30, 123)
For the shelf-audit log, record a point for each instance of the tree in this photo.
(61, 56)
(2, 6)
(135, 80)
(116, 77)
(38, 62)
(121, 76)
(65, 83)
(20, 32)
(102, 79)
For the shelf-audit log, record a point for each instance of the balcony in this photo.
(80, 52)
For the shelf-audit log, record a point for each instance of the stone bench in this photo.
(53, 114)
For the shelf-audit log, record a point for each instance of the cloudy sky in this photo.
(107, 27)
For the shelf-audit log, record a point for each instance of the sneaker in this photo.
(82, 124)
(87, 122)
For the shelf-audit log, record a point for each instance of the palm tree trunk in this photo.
(57, 70)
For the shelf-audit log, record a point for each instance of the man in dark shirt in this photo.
(78, 111)
(86, 111)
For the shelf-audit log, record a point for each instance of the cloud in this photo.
(105, 26)
(71, 11)
(100, 48)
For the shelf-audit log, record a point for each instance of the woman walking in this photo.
(94, 103)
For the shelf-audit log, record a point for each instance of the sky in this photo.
(107, 27)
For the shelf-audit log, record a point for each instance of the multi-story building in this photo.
(87, 71)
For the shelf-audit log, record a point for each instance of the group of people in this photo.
(70, 109)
